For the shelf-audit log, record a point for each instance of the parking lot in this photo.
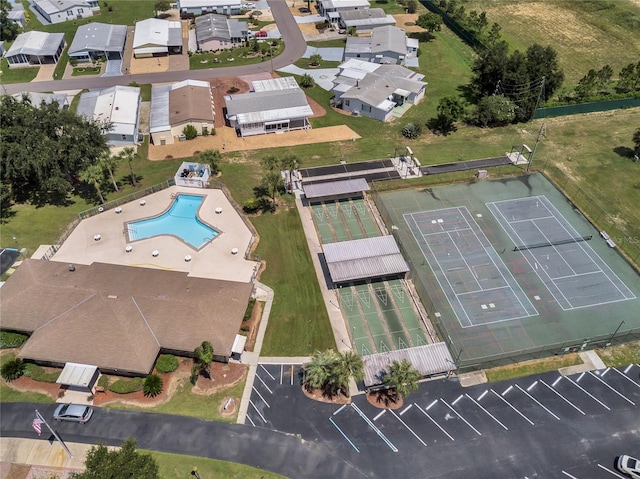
(547, 425)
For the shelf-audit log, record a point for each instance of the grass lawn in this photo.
(335, 43)
(528, 368)
(8, 394)
(621, 355)
(81, 71)
(586, 34)
(233, 57)
(16, 75)
(175, 466)
(304, 63)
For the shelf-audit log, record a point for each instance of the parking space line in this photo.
(264, 384)
(434, 422)
(465, 421)
(614, 390)
(458, 399)
(569, 475)
(604, 372)
(293, 371)
(626, 377)
(251, 421)
(379, 414)
(372, 426)
(490, 415)
(512, 407)
(507, 390)
(628, 368)
(563, 398)
(613, 473)
(267, 371)
(587, 393)
(263, 400)
(406, 409)
(339, 409)
(281, 373)
(410, 430)
(537, 402)
(483, 395)
(259, 413)
(344, 435)
(556, 381)
(435, 401)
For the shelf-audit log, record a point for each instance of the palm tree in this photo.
(211, 158)
(290, 163)
(129, 155)
(110, 163)
(320, 370)
(203, 357)
(272, 182)
(348, 365)
(403, 377)
(269, 163)
(93, 175)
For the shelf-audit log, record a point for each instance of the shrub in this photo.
(152, 385)
(321, 26)
(38, 373)
(411, 131)
(167, 363)
(233, 89)
(126, 386)
(251, 206)
(249, 310)
(12, 369)
(103, 381)
(12, 340)
(190, 132)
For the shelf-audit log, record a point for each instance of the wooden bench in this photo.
(99, 389)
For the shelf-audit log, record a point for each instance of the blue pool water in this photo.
(179, 220)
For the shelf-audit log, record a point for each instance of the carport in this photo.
(78, 377)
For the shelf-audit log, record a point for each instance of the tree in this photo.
(348, 365)
(152, 385)
(636, 142)
(315, 59)
(449, 109)
(129, 155)
(12, 369)
(307, 81)
(495, 110)
(403, 377)
(587, 85)
(203, 357)
(489, 69)
(290, 163)
(411, 131)
(8, 30)
(211, 158)
(431, 22)
(272, 182)
(190, 132)
(319, 370)
(94, 175)
(629, 77)
(330, 371)
(162, 6)
(543, 62)
(269, 163)
(109, 163)
(411, 6)
(123, 463)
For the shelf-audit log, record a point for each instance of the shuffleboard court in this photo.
(477, 284)
(564, 261)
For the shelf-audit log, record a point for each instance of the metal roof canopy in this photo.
(75, 374)
(335, 188)
(238, 344)
(430, 360)
(364, 258)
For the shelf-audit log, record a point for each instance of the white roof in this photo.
(238, 344)
(99, 37)
(273, 84)
(358, 66)
(154, 31)
(117, 104)
(334, 188)
(36, 43)
(50, 6)
(76, 374)
(268, 106)
(328, 4)
(207, 3)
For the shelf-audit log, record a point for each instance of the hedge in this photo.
(167, 363)
(126, 386)
(38, 373)
(12, 340)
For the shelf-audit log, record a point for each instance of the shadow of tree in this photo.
(624, 151)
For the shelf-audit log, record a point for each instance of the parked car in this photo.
(629, 466)
(249, 5)
(73, 412)
(261, 34)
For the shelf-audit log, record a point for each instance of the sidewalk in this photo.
(19, 454)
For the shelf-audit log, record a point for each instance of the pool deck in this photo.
(214, 261)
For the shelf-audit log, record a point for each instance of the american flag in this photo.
(37, 425)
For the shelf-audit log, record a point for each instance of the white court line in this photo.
(372, 426)
(259, 414)
(267, 371)
(406, 409)
(263, 400)
(569, 475)
(343, 434)
(512, 407)
(625, 376)
(379, 414)
(537, 402)
(614, 390)
(614, 473)
(465, 421)
(491, 415)
(563, 398)
(464, 259)
(587, 393)
(410, 430)
(434, 422)
(264, 384)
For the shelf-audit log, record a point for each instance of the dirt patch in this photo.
(407, 21)
(318, 395)
(385, 399)
(253, 323)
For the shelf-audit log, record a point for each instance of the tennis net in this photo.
(552, 243)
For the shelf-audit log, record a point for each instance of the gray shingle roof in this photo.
(100, 37)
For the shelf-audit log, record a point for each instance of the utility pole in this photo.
(542, 132)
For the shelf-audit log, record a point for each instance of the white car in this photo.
(629, 466)
(73, 412)
(249, 6)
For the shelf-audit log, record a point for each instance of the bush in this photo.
(126, 386)
(249, 310)
(38, 373)
(167, 363)
(12, 340)
(103, 381)
(233, 89)
(411, 131)
(190, 132)
(152, 385)
(12, 369)
(251, 206)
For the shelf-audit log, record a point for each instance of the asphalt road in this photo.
(544, 426)
(295, 47)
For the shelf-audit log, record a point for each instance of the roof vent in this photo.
(71, 267)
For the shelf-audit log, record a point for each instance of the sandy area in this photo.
(403, 19)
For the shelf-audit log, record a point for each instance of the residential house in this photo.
(332, 8)
(275, 105)
(217, 32)
(202, 7)
(374, 90)
(118, 106)
(385, 45)
(56, 11)
(35, 48)
(36, 99)
(98, 40)
(189, 102)
(154, 37)
(17, 13)
(365, 20)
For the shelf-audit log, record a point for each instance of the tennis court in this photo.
(520, 245)
(571, 270)
(343, 220)
(475, 280)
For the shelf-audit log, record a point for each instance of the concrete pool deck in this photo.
(214, 261)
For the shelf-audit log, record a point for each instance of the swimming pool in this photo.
(179, 220)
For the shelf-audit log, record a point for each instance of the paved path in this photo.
(295, 47)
